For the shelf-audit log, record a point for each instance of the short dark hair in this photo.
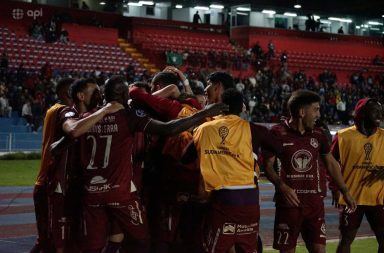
(234, 99)
(63, 85)
(142, 85)
(113, 87)
(165, 78)
(299, 99)
(79, 86)
(225, 79)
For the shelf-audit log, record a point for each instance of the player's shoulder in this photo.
(281, 128)
(136, 112)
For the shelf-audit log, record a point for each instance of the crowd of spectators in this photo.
(49, 32)
(29, 93)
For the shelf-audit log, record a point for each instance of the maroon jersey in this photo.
(62, 163)
(300, 165)
(106, 156)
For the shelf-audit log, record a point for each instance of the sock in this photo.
(112, 247)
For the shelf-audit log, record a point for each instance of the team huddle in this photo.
(148, 168)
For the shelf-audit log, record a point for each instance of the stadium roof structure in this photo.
(368, 8)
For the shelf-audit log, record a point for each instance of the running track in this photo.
(17, 219)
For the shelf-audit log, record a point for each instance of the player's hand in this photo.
(113, 107)
(215, 109)
(335, 198)
(351, 203)
(289, 195)
(175, 71)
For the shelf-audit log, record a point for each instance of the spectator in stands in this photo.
(26, 112)
(64, 36)
(377, 60)
(5, 108)
(310, 23)
(340, 31)
(84, 6)
(257, 50)
(196, 18)
(284, 58)
(271, 50)
(4, 61)
(37, 31)
(38, 112)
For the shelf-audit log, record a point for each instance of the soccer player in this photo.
(299, 200)
(105, 152)
(63, 201)
(40, 193)
(359, 149)
(217, 83)
(225, 148)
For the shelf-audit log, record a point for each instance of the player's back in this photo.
(106, 152)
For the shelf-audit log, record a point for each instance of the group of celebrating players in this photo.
(148, 168)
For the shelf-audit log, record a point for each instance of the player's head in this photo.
(199, 94)
(234, 99)
(217, 83)
(142, 85)
(368, 111)
(116, 89)
(305, 105)
(62, 91)
(86, 92)
(163, 79)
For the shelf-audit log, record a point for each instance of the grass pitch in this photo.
(358, 246)
(18, 172)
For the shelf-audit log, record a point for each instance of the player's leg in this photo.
(288, 221)
(313, 229)
(349, 223)
(133, 220)
(94, 228)
(375, 217)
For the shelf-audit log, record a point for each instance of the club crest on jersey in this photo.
(301, 160)
(140, 113)
(314, 143)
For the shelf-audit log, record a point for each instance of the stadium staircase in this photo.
(77, 55)
(154, 42)
(137, 56)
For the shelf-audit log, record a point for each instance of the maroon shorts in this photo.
(59, 225)
(352, 221)
(232, 225)
(290, 221)
(129, 215)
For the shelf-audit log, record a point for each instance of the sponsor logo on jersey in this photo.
(229, 228)
(99, 188)
(98, 180)
(288, 144)
(69, 114)
(140, 113)
(301, 160)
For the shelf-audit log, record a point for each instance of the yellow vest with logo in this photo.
(362, 163)
(174, 145)
(224, 148)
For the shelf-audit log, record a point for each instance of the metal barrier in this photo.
(13, 142)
